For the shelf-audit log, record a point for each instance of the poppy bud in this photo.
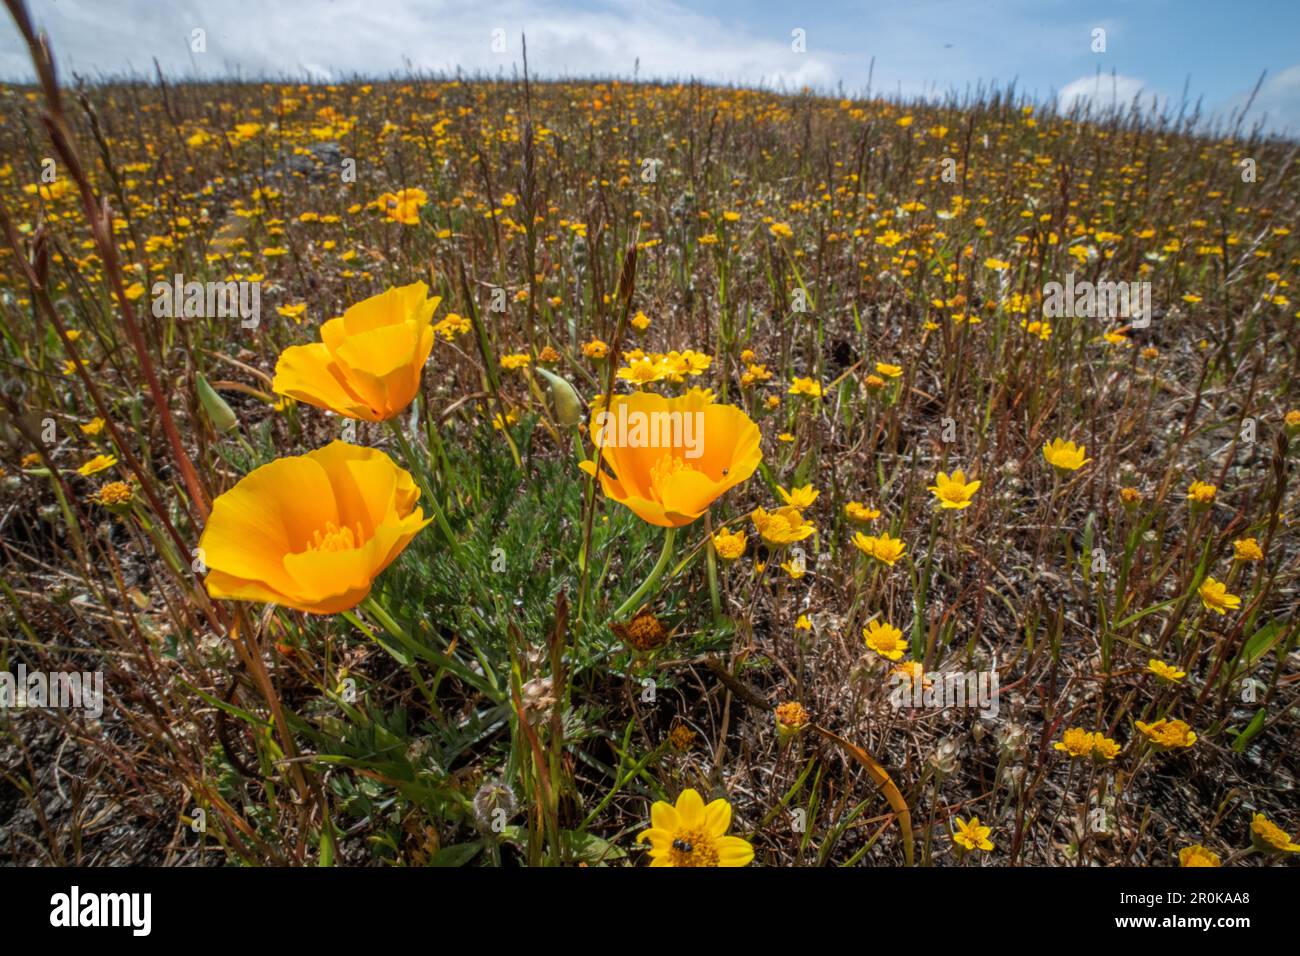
(214, 406)
(568, 406)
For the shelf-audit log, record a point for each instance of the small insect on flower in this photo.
(885, 639)
(1214, 595)
(692, 834)
(1197, 855)
(954, 492)
(1065, 455)
(971, 835)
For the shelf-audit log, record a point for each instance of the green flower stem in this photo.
(650, 583)
(621, 782)
(715, 596)
(164, 547)
(411, 667)
(414, 649)
(409, 454)
(580, 452)
(74, 528)
(434, 441)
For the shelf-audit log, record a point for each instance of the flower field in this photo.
(474, 472)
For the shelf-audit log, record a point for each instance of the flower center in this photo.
(334, 538)
(693, 848)
(663, 470)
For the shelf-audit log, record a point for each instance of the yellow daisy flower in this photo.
(1197, 855)
(692, 834)
(729, 545)
(881, 547)
(1167, 734)
(801, 498)
(857, 511)
(971, 835)
(1165, 671)
(954, 492)
(1065, 455)
(96, 465)
(1214, 595)
(1268, 837)
(885, 639)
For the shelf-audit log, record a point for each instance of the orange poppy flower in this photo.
(368, 362)
(668, 459)
(311, 532)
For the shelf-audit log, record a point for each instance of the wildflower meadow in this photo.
(450, 470)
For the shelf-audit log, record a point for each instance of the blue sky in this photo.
(921, 47)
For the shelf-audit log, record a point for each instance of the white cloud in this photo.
(938, 49)
(324, 40)
(1277, 103)
(1102, 92)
